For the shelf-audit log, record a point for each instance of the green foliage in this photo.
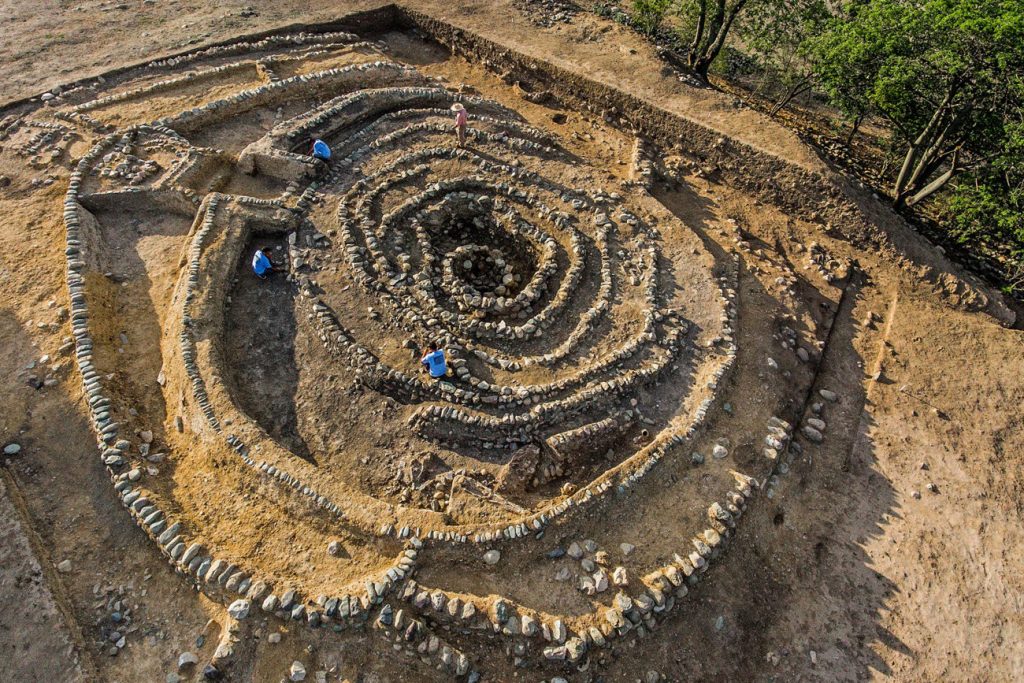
(777, 35)
(940, 71)
(946, 75)
(647, 15)
(987, 204)
(949, 76)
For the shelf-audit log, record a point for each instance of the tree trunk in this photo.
(698, 34)
(800, 87)
(921, 144)
(717, 19)
(932, 157)
(854, 128)
(937, 184)
(711, 51)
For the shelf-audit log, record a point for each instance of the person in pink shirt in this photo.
(461, 119)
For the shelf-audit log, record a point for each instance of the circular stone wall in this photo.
(306, 463)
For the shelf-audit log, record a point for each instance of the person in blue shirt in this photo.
(261, 263)
(321, 150)
(434, 361)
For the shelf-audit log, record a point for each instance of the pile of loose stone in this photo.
(549, 13)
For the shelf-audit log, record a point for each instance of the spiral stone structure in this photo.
(569, 482)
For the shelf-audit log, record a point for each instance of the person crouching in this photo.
(434, 362)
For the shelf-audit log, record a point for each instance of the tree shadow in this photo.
(73, 511)
(796, 577)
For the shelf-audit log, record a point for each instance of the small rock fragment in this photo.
(186, 659)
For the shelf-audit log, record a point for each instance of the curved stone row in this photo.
(268, 43)
(351, 609)
(302, 85)
(466, 327)
(344, 110)
(218, 577)
(524, 424)
(631, 610)
(89, 122)
(50, 135)
(333, 333)
(193, 370)
(517, 530)
(616, 373)
(628, 474)
(354, 249)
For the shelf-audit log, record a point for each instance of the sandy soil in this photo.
(890, 551)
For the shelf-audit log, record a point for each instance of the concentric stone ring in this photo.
(588, 330)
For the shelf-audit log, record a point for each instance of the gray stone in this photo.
(239, 609)
(813, 434)
(12, 449)
(187, 659)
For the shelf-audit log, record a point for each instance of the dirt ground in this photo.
(890, 551)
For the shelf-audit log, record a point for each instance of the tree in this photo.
(941, 72)
(777, 33)
(712, 21)
(647, 15)
(986, 205)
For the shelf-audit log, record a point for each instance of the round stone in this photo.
(239, 609)
(492, 557)
(187, 659)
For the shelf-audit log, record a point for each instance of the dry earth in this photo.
(889, 551)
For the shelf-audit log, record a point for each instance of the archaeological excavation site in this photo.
(692, 382)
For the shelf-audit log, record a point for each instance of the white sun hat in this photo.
(457, 106)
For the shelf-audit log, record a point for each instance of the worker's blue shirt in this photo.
(260, 263)
(321, 150)
(436, 364)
